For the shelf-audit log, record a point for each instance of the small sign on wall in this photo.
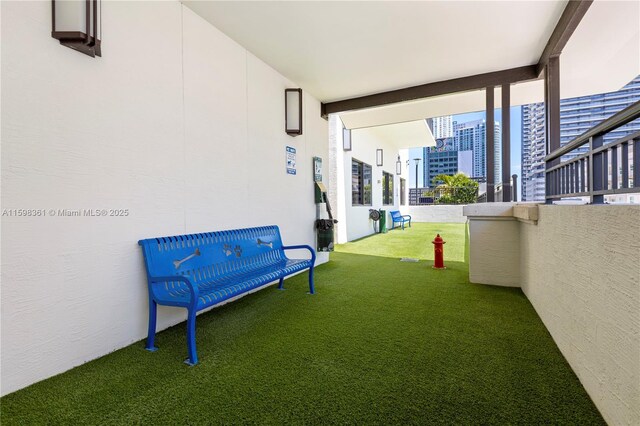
(291, 160)
(317, 169)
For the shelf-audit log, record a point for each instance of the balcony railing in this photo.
(597, 173)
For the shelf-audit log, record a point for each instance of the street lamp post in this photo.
(417, 160)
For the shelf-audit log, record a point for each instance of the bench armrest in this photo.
(312, 251)
(407, 215)
(195, 294)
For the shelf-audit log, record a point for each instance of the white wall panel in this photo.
(435, 213)
(365, 142)
(186, 146)
(580, 269)
(579, 266)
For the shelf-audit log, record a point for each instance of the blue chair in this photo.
(197, 271)
(397, 217)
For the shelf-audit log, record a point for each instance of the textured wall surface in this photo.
(438, 214)
(176, 123)
(494, 249)
(581, 271)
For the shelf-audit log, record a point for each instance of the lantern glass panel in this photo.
(71, 15)
(293, 108)
(346, 139)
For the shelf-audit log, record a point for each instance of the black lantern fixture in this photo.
(398, 166)
(77, 24)
(293, 111)
(346, 139)
(379, 157)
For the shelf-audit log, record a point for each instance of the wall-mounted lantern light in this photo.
(346, 139)
(398, 166)
(379, 157)
(77, 24)
(293, 111)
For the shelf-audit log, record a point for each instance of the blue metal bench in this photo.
(396, 217)
(197, 271)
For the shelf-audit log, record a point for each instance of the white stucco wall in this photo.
(580, 268)
(494, 249)
(438, 214)
(337, 188)
(176, 123)
(356, 218)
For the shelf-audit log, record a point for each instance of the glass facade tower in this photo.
(577, 115)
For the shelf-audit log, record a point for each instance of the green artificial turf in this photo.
(382, 342)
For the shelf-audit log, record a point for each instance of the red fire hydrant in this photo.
(438, 252)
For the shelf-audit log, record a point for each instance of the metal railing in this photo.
(431, 196)
(597, 173)
(513, 192)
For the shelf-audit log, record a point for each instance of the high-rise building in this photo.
(577, 115)
(441, 159)
(472, 136)
(442, 127)
(464, 151)
(533, 152)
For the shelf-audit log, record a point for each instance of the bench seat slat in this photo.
(213, 291)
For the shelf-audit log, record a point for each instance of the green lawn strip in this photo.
(382, 342)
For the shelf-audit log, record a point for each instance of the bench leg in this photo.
(281, 284)
(151, 335)
(311, 288)
(191, 338)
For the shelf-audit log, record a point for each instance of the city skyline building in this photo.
(442, 127)
(471, 136)
(577, 115)
(464, 151)
(533, 152)
(441, 159)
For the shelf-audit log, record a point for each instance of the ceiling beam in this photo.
(567, 24)
(463, 84)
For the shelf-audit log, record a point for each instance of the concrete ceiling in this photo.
(400, 135)
(602, 56)
(338, 50)
(342, 49)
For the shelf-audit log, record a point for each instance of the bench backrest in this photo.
(395, 214)
(208, 255)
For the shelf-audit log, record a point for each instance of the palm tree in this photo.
(448, 181)
(456, 189)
